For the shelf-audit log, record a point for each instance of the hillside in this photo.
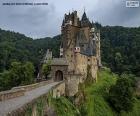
(95, 103)
(18, 47)
(120, 48)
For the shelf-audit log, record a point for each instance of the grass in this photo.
(64, 107)
(95, 104)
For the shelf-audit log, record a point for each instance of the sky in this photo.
(45, 20)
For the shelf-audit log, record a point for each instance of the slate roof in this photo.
(85, 21)
(81, 38)
(91, 49)
(86, 47)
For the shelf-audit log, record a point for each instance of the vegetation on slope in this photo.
(64, 107)
(15, 47)
(95, 103)
(120, 47)
(18, 47)
(18, 74)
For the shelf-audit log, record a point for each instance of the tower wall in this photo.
(69, 33)
(81, 64)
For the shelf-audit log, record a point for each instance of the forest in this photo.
(120, 51)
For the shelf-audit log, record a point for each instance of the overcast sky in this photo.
(45, 20)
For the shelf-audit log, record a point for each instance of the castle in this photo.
(79, 48)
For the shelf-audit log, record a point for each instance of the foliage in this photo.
(18, 74)
(17, 47)
(135, 111)
(46, 68)
(95, 104)
(121, 95)
(120, 48)
(64, 107)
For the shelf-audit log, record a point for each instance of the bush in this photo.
(121, 94)
(18, 74)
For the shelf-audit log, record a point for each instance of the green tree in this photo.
(5, 81)
(28, 73)
(18, 74)
(46, 68)
(121, 95)
(118, 62)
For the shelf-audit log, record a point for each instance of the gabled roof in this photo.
(59, 62)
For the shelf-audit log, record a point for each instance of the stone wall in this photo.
(81, 64)
(19, 91)
(33, 86)
(38, 106)
(11, 94)
(58, 90)
(72, 83)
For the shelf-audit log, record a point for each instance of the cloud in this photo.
(116, 13)
(43, 21)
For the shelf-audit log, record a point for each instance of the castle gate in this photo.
(59, 69)
(58, 75)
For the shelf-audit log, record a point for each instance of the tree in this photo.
(121, 95)
(46, 68)
(5, 81)
(18, 74)
(118, 62)
(28, 73)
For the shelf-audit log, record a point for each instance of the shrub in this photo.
(121, 94)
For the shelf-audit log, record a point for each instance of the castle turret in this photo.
(85, 21)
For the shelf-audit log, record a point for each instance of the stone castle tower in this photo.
(80, 44)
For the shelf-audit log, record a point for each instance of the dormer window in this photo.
(77, 49)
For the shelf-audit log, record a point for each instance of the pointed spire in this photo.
(84, 9)
(84, 17)
(69, 12)
(92, 23)
(63, 23)
(85, 21)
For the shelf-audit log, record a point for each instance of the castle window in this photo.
(88, 59)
